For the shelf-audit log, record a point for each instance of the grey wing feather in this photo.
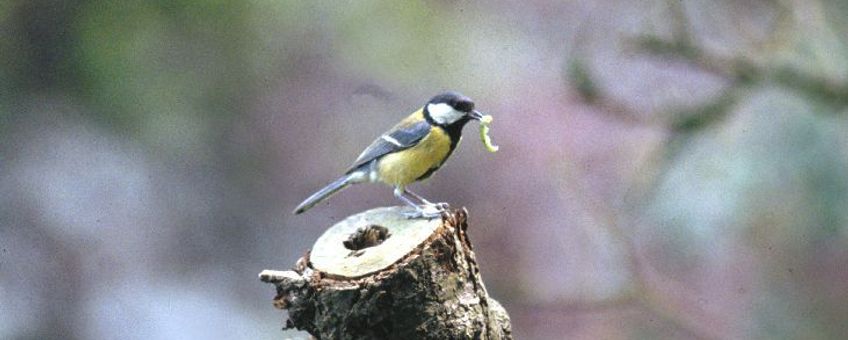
(406, 137)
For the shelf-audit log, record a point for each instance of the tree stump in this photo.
(378, 275)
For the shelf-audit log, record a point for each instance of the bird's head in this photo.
(450, 108)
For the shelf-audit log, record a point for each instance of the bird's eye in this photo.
(464, 105)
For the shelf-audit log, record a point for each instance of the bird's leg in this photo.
(417, 196)
(399, 193)
(440, 205)
(428, 211)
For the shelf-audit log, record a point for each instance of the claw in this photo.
(427, 211)
(414, 215)
(440, 206)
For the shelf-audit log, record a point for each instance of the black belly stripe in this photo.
(454, 131)
(432, 170)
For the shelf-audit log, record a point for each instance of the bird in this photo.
(410, 151)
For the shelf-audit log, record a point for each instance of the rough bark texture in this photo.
(434, 291)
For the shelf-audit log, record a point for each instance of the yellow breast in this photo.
(404, 167)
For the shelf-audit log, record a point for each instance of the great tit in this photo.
(411, 151)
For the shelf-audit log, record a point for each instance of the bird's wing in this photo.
(404, 135)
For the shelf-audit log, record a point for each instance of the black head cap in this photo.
(455, 100)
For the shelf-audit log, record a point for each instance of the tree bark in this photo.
(378, 275)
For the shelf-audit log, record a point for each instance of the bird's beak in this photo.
(476, 115)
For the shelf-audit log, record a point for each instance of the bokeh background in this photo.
(668, 169)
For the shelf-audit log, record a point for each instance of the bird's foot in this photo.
(443, 206)
(428, 211)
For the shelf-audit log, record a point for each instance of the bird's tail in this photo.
(326, 192)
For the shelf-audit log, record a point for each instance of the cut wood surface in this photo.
(332, 255)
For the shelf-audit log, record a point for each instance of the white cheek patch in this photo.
(444, 113)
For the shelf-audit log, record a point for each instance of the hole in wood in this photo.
(366, 237)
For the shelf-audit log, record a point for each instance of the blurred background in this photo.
(671, 170)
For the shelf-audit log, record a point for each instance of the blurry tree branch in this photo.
(744, 72)
(664, 295)
(740, 71)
